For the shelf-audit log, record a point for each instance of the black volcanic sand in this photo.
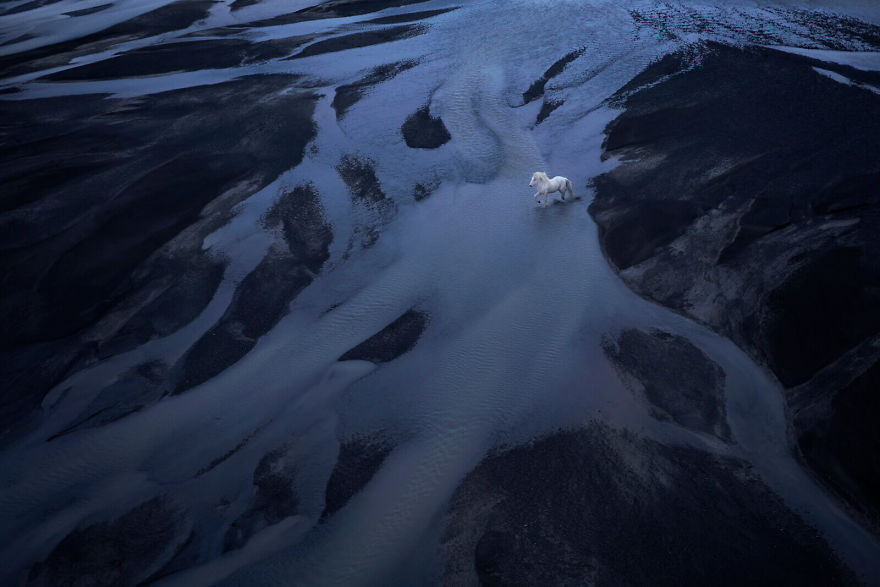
(423, 131)
(840, 433)
(421, 191)
(33, 4)
(409, 16)
(359, 175)
(239, 4)
(347, 95)
(536, 90)
(124, 551)
(372, 207)
(87, 11)
(171, 17)
(832, 30)
(363, 39)
(331, 9)
(767, 177)
(274, 498)
(180, 299)
(547, 108)
(274, 282)
(106, 206)
(183, 56)
(679, 381)
(264, 295)
(141, 386)
(394, 340)
(359, 460)
(207, 54)
(600, 506)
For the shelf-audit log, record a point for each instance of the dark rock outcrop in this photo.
(600, 506)
(748, 199)
(679, 381)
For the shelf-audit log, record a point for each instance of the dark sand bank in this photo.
(101, 246)
(603, 507)
(748, 199)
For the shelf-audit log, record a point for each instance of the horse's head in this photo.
(535, 177)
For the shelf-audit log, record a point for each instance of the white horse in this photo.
(547, 186)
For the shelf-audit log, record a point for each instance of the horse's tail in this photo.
(569, 187)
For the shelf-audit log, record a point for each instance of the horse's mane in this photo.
(541, 174)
